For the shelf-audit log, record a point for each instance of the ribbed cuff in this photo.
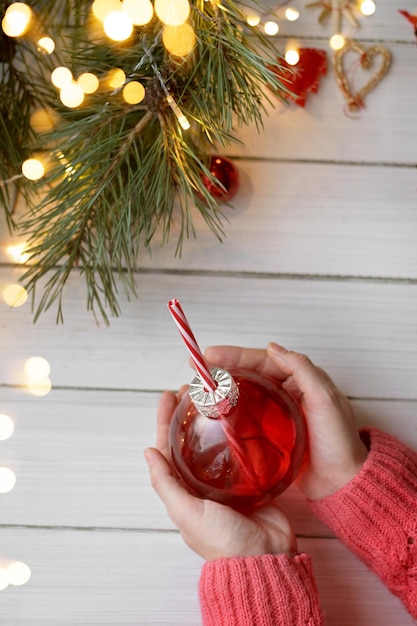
(375, 514)
(259, 591)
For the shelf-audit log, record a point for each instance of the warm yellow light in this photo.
(37, 368)
(172, 12)
(16, 19)
(15, 295)
(116, 78)
(46, 45)
(184, 123)
(19, 573)
(6, 427)
(4, 579)
(39, 387)
(102, 8)
(139, 11)
(43, 120)
(292, 56)
(367, 7)
(61, 76)
(133, 92)
(292, 14)
(7, 480)
(179, 40)
(17, 253)
(88, 82)
(118, 26)
(253, 19)
(71, 95)
(337, 42)
(33, 169)
(271, 28)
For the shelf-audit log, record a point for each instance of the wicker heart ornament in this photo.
(367, 59)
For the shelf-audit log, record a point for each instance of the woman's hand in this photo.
(336, 452)
(211, 529)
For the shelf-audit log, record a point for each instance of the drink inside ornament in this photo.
(247, 455)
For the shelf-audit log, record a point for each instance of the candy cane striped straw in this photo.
(186, 333)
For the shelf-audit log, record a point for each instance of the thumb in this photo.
(178, 501)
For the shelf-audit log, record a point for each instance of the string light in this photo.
(17, 253)
(33, 169)
(102, 8)
(16, 19)
(44, 120)
(88, 82)
(292, 14)
(4, 579)
(46, 45)
(116, 78)
(6, 427)
(61, 76)
(179, 40)
(184, 123)
(7, 479)
(271, 28)
(133, 92)
(71, 95)
(253, 19)
(19, 573)
(15, 295)
(292, 56)
(172, 12)
(37, 370)
(367, 7)
(139, 11)
(337, 42)
(118, 26)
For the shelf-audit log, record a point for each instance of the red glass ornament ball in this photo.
(227, 174)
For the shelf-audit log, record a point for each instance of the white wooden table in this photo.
(320, 255)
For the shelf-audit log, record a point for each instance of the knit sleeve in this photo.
(259, 591)
(375, 514)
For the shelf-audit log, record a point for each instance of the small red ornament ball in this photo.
(227, 174)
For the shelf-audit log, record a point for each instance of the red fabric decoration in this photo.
(305, 76)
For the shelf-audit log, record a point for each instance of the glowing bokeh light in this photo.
(33, 169)
(88, 82)
(61, 76)
(179, 40)
(7, 480)
(292, 14)
(17, 253)
(15, 295)
(19, 573)
(43, 120)
(292, 56)
(172, 12)
(39, 387)
(71, 95)
(253, 19)
(16, 19)
(133, 92)
(367, 7)
(37, 368)
(116, 78)
(337, 42)
(102, 8)
(118, 26)
(271, 28)
(139, 11)
(46, 45)
(6, 427)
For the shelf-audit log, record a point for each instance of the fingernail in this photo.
(277, 350)
(147, 453)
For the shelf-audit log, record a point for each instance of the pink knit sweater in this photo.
(375, 515)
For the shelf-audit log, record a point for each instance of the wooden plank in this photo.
(382, 132)
(95, 578)
(94, 441)
(363, 332)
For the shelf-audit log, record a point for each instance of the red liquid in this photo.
(247, 457)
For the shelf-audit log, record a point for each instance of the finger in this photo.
(166, 407)
(182, 507)
(307, 377)
(234, 356)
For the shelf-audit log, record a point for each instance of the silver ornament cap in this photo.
(218, 402)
